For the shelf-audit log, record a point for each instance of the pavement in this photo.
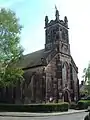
(75, 116)
(25, 114)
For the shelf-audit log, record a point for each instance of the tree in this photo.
(86, 77)
(10, 49)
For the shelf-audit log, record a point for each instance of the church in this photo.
(51, 74)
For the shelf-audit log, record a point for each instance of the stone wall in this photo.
(34, 87)
(52, 79)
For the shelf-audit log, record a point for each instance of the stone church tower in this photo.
(51, 73)
(61, 71)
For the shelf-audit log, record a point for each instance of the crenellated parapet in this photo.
(57, 20)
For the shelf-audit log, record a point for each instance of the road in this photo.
(76, 116)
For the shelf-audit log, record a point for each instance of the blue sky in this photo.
(32, 14)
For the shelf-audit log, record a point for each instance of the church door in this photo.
(66, 98)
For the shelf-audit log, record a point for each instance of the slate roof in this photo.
(34, 59)
(31, 60)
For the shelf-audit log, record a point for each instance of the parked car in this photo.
(88, 98)
(87, 117)
(85, 98)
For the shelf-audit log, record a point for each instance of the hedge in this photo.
(83, 104)
(34, 107)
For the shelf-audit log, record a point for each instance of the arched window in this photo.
(65, 65)
(71, 72)
(59, 69)
(71, 77)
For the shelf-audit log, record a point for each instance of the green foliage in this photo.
(87, 87)
(34, 107)
(84, 101)
(84, 91)
(83, 104)
(11, 76)
(86, 77)
(10, 48)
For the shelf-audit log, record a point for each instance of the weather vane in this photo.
(55, 7)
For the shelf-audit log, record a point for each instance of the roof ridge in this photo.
(33, 52)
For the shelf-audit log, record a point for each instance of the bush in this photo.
(83, 104)
(34, 107)
(57, 107)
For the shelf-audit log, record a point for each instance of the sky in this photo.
(32, 14)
